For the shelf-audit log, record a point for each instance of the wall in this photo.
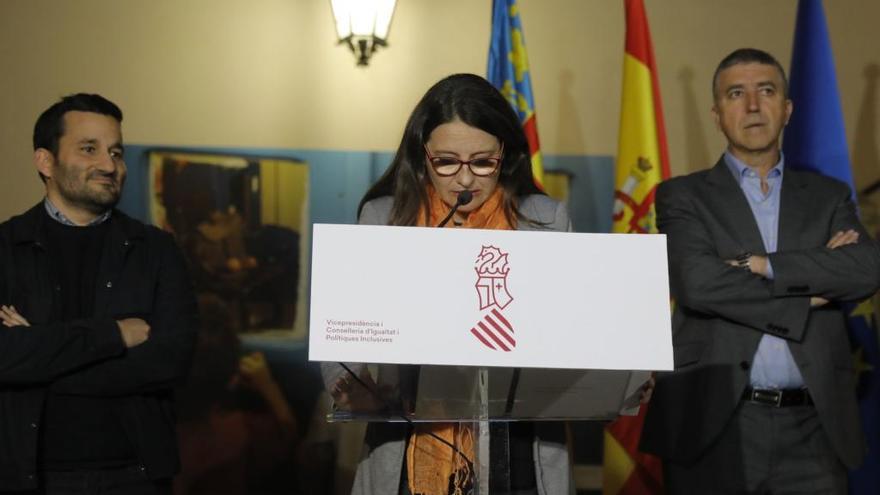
(267, 74)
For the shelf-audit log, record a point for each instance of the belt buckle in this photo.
(769, 397)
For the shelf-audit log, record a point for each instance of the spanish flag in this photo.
(509, 72)
(642, 156)
(642, 162)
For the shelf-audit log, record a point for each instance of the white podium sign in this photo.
(411, 295)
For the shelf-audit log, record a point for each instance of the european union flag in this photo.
(815, 139)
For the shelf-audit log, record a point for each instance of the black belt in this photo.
(778, 398)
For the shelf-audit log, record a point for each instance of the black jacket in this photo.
(141, 274)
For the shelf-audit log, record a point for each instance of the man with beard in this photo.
(99, 322)
(762, 399)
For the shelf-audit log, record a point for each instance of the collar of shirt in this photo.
(59, 217)
(740, 170)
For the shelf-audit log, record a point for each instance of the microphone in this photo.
(464, 198)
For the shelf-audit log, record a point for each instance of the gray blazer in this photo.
(379, 471)
(723, 311)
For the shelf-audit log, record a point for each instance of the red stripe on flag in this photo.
(492, 336)
(661, 127)
(642, 481)
(638, 36)
(484, 341)
(501, 331)
(530, 127)
(638, 44)
(647, 475)
(502, 319)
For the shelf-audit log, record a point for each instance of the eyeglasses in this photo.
(447, 166)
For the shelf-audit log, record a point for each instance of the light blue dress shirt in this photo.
(59, 217)
(773, 365)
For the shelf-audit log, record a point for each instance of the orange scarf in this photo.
(490, 215)
(432, 467)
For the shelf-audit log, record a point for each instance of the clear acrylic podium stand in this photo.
(490, 399)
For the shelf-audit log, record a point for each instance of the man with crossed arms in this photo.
(99, 322)
(762, 399)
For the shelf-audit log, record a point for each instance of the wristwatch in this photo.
(742, 261)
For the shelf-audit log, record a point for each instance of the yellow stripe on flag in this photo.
(538, 168)
(638, 169)
(617, 468)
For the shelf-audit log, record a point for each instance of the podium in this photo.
(489, 401)
(497, 330)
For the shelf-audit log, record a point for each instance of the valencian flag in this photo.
(815, 139)
(509, 72)
(642, 162)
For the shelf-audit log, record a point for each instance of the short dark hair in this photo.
(475, 102)
(50, 124)
(748, 56)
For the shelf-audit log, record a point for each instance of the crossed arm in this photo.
(106, 357)
(760, 265)
(846, 267)
(39, 354)
(133, 331)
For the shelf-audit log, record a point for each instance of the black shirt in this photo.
(79, 432)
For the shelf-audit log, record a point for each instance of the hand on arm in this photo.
(135, 331)
(757, 264)
(10, 317)
(841, 238)
(351, 395)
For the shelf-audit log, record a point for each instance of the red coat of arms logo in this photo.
(494, 330)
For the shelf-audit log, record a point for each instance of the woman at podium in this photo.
(463, 162)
